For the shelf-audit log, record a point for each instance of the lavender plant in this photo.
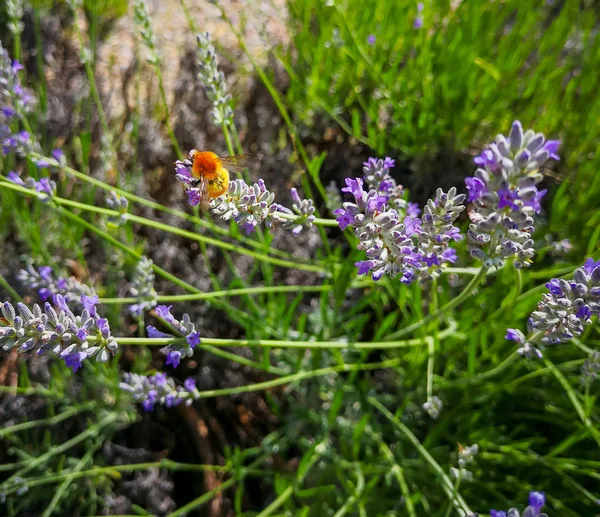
(563, 312)
(506, 198)
(213, 81)
(396, 241)
(184, 329)
(48, 285)
(142, 287)
(58, 330)
(159, 389)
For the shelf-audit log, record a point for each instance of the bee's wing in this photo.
(204, 197)
(239, 162)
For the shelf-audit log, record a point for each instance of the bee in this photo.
(211, 172)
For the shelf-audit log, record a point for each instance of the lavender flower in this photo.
(437, 231)
(213, 81)
(377, 176)
(247, 205)
(184, 328)
(144, 25)
(120, 204)
(159, 389)
(563, 312)
(536, 501)
(396, 241)
(14, 100)
(48, 285)
(72, 337)
(371, 39)
(505, 196)
(303, 213)
(143, 287)
(14, 12)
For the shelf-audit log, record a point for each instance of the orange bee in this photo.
(212, 172)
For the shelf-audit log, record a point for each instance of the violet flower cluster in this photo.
(14, 100)
(377, 176)
(58, 330)
(249, 205)
(213, 81)
(159, 389)
(505, 196)
(563, 312)
(142, 287)
(184, 329)
(48, 285)
(44, 185)
(396, 241)
(536, 502)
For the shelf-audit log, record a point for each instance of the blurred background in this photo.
(317, 87)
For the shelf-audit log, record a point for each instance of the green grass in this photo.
(342, 364)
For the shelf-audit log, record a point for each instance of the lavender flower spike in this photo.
(303, 213)
(72, 337)
(505, 196)
(159, 389)
(48, 285)
(14, 100)
(213, 81)
(563, 312)
(184, 328)
(142, 287)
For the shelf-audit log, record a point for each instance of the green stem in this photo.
(447, 484)
(68, 480)
(449, 306)
(8, 288)
(475, 379)
(151, 204)
(184, 510)
(163, 96)
(224, 294)
(282, 343)
(58, 450)
(86, 57)
(170, 229)
(300, 376)
(47, 421)
(573, 398)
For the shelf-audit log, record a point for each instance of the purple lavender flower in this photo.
(371, 39)
(536, 501)
(159, 389)
(437, 232)
(14, 99)
(377, 176)
(48, 285)
(505, 196)
(563, 313)
(72, 337)
(396, 243)
(302, 213)
(184, 328)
